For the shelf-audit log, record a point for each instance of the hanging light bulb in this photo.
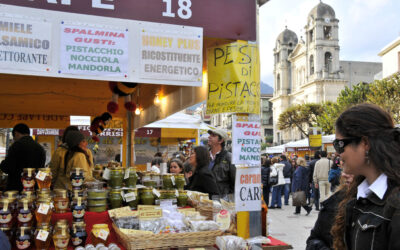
(137, 110)
(157, 99)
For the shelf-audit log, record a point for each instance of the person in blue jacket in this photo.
(300, 182)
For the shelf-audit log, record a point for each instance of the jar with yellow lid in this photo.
(25, 210)
(28, 179)
(43, 210)
(180, 181)
(42, 236)
(23, 238)
(130, 177)
(43, 193)
(116, 178)
(146, 196)
(61, 237)
(99, 234)
(78, 208)
(78, 234)
(61, 201)
(6, 212)
(115, 198)
(182, 199)
(43, 178)
(11, 194)
(30, 195)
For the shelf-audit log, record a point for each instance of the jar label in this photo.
(126, 176)
(23, 244)
(173, 180)
(176, 192)
(42, 235)
(103, 234)
(223, 219)
(43, 208)
(106, 174)
(130, 197)
(122, 195)
(156, 193)
(41, 175)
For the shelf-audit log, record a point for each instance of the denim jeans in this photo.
(287, 192)
(276, 196)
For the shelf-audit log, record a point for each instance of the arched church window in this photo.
(278, 82)
(311, 64)
(311, 35)
(327, 32)
(328, 61)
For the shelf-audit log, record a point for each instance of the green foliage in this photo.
(300, 116)
(386, 94)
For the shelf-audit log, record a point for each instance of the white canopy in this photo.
(297, 144)
(180, 120)
(275, 150)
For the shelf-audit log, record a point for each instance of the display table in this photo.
(91, 218)
(276, 244)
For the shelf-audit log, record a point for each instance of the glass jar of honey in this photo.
(28, 179)
(78, 234)
(43, 210)
(25, 210)
(42, 236)
(77, 178)
(23, 238)
(100, 233)
(60, 201)
(43, 178)
(6, 212)
(43, 193)
(78, 209)
(61, 237)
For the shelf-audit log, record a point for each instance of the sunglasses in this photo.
(340, 144)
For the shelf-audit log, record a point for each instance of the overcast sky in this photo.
(365, 27)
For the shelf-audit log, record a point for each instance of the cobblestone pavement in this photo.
(290, 228)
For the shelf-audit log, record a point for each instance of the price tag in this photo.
(130, 197)
(122, 195)
(43, 208)
(126, 173)
(173, 180)
(103, 234)
(42, 235)
(41, 175)
(156, 193)
(106, 174)
(176, 192)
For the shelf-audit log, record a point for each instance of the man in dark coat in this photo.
(23, 153)
(314, 197)
(287, 174)
(221, 162)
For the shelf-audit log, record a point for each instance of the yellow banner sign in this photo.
(233, 78)
(315, 137)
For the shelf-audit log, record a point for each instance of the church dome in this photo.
(322, 11)
(287, 37)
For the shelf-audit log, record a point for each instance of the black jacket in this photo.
(311, 167)
(24, 153)
(287, 170)
(320, 237)
(374, 223)
(224, 172)
(265, 173)
(203, 181)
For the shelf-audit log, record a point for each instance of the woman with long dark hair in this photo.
(202, 179)
(369, 146)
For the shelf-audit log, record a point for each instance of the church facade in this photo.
(308, 70)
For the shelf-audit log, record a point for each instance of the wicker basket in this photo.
(166, 241)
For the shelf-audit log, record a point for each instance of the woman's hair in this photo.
(301, 162)
(187, 167)
(375, 126)
(68, 129)
(157, 161)
(70, 153)
(202, 157)
(275, 160)
(266, 162)
(177, 161)
(336, 162)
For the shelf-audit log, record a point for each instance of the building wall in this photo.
(391, 60)
(356, 72)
